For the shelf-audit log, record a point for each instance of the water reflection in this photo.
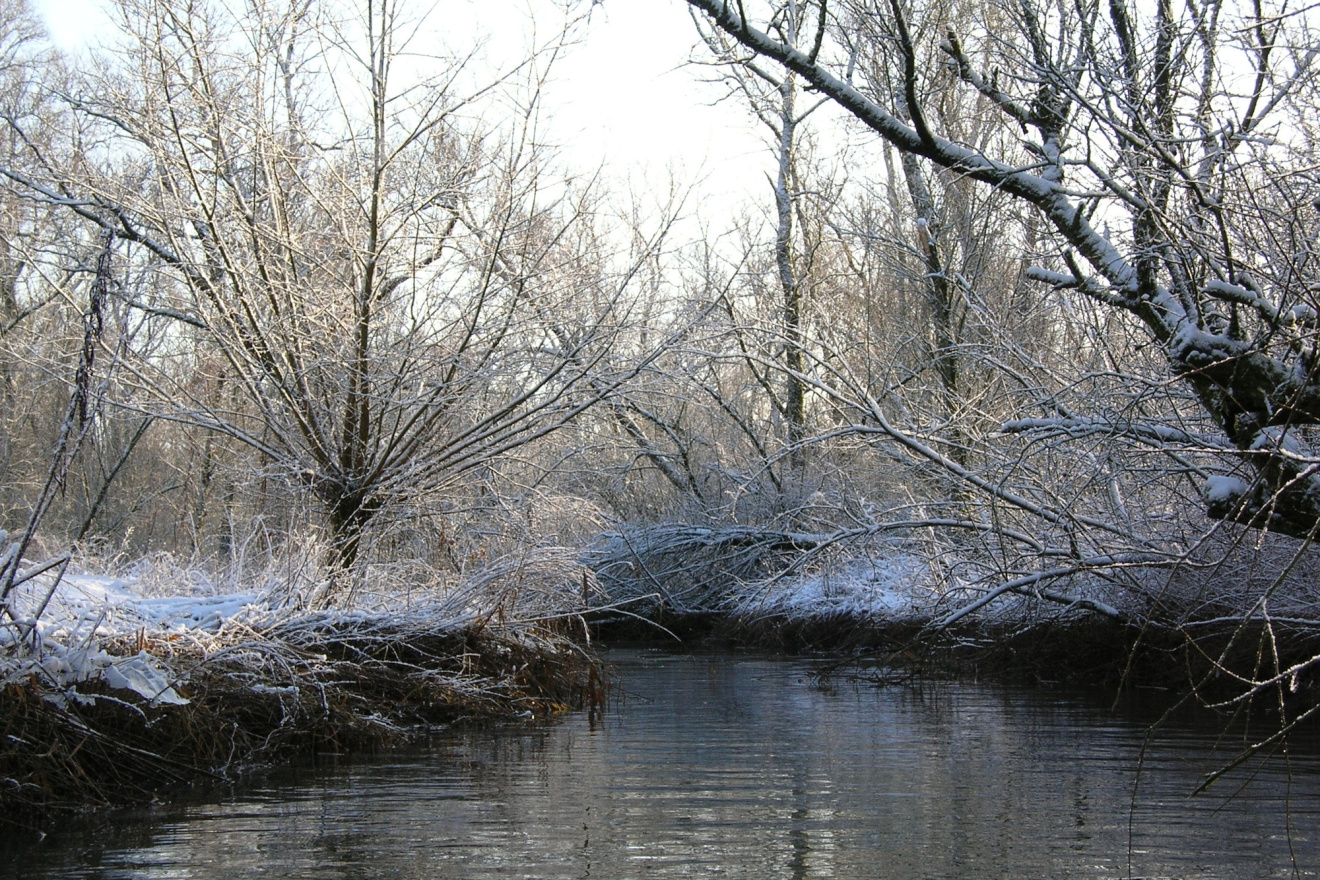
(719, 766)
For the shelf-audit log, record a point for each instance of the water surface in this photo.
(727, 766)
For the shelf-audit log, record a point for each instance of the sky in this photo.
(622, 99)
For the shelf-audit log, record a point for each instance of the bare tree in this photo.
(776, 100)
(359, 279)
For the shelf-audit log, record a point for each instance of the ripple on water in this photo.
(743, 767)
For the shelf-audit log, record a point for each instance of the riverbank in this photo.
(246, 703)
(1235, 626)
(115, 697)
(126, 691)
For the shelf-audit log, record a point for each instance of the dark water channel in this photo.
(726, 766)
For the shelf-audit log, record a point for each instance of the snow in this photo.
(1080, 426)
(121, 634)
(87, 606)
(61, 669)
(1279, 439)
(140, 674)
(1240, 294)
(142, 631)
(1223, 490)
(1054, 279)
(1303, 314)
(1195, 347)
(86, 610)
(860, 588)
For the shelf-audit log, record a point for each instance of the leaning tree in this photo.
(1168, 150)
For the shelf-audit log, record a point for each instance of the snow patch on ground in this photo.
(87, 606)
(888, 588)
(142, 630)
(61, 668)
(85, 610)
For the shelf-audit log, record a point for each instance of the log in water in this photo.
(720, 765)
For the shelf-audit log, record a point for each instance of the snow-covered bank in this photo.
(1233, 623)
(895, 588)
(749, 574)
(111, 696)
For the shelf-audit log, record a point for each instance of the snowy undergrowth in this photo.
(77, 637)
(152, 623)
(894, 588)
(751, 574)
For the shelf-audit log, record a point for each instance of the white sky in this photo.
(635, 105)
(621, 98)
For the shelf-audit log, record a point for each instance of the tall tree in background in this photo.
(776, 100)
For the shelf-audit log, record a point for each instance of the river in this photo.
(724, 765)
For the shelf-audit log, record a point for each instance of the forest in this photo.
(325, 371)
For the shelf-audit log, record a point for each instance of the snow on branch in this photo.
(1031, 585)
(1241, 294)
(1080, 426)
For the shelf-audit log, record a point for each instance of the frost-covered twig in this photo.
(73, 431)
